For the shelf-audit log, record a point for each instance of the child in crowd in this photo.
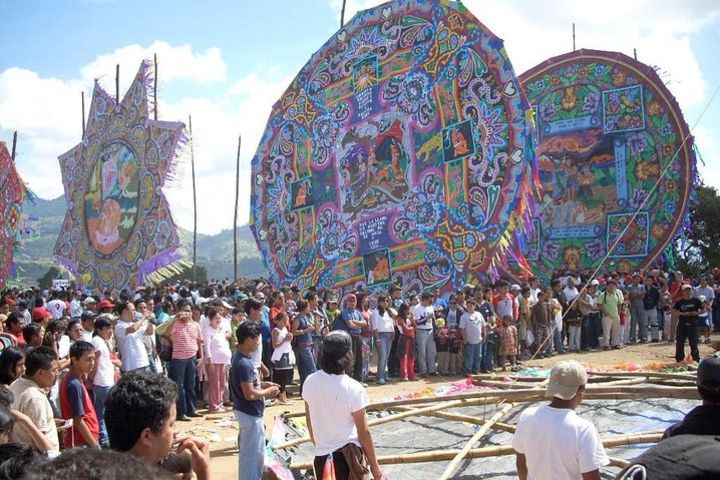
(283, 357)
(75, 402)
(443, 339)
(456, 353)
(541, 320)
(508, 343)
(406, 347)
(490, 349)
(703, 321)
(249, 396)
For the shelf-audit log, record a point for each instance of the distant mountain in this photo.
(214, 252)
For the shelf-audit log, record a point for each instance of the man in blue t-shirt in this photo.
(249, 395)
(351, 321)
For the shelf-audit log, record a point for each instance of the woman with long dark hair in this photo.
(337, 423)
(12, 365)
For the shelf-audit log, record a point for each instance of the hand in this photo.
(273, 391)
(199, 455)
(289, 337)
(268, 384)
(264, 370)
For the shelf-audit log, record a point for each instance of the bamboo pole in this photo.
(455, 462)
(379, 421)
(117, 84)
(531, 394)
(342, 14)
(235, 217)
(82, 103)
(495, 451)
(14, 146)
(506, 427)
(501, 384)
(665, 375)
(155, 83)
(194, 189)
(619, 462)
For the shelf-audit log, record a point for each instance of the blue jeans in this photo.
(305, 363)
(383, 348)
(594, 330)
(637, 313)
(100, 394)
(183, 372)
(558, 340)
(251, 445)
(426, 351)
(473, 358)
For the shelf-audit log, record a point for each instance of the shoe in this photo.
(194, 415)
(184, 418)
(365, 385)
(381, 382)
(405, 379)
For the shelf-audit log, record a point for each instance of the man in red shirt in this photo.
(75, 402)
(14, 326)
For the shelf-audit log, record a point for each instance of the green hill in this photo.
(214, 252)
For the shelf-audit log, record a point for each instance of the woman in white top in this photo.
(384, 330)
(335, 410)
(217, 358)
(283, 357)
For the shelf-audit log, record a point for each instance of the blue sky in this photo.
(227, 62)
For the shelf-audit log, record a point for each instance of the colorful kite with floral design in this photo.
(12, 195)
(118, 228)
(400, 154)
(607, 129)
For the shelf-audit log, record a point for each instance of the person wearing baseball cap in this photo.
(704, 419)
(552, 441)
(687, 309)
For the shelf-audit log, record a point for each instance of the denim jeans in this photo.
(305, 362)
(251, 445)
(574, 340)
(558, 340)
(426, 352)
(183, 373)
(100, 394)
(652, 321)
(383, 348)
(473, 358)
(637, 312)
(594, 329)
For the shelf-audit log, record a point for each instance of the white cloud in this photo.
(174, 63)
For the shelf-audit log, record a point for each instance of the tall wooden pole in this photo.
(573, 37)
(342, 14)
(635, 53)
(117, 83)
(82, 103)
(155, 82)
(14, 146)
(235, 218)
(192, 168)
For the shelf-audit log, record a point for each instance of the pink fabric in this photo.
(185, 339)
(407, 362)
(216, 385)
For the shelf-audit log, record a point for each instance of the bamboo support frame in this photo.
(455, 462)
(446, 455)
(506, 427)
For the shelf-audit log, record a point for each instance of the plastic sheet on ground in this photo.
(423, 433)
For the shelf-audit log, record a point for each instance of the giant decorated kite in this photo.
(607, 129)
(12, 195)
(118, 228)
(401, 153)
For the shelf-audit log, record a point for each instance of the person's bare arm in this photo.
(250, 393)
(593, 475)
(521, 466)
(39, 440)
(199, 455)
(366, 442)
(309, 422)
(79, 423)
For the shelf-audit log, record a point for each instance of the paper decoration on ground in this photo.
(607, 127)
(401, 153)
(12, 195)
(118, 228)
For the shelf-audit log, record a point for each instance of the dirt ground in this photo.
(221, 430)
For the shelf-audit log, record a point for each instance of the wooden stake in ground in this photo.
(14, 146)
(235, 217)
(192, 168)
(455, 463)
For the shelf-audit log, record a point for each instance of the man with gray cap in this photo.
(552, 441)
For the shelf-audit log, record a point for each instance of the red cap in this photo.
(104, 303)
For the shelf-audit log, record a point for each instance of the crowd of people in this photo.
(75, 362)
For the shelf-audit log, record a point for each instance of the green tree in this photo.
(699, 249)
(46, 280)
(187, 274)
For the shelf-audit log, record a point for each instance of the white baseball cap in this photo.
(565, 379)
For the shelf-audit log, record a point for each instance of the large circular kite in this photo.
(12, 195)
(607, 129)
(401, 153)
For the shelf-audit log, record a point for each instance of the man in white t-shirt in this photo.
(57, 306)
(551, 441)
(424, 315)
